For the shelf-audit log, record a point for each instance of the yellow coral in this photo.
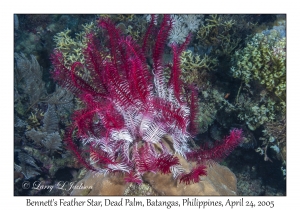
(263, 59)
(193, 66)
(72, 47)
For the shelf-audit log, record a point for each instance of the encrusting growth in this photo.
(130, 108)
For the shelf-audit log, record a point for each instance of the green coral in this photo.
(257, 115)
(71, 48)
(211, 102)
(263, 59)
(207, 116)
(130, 24)
(119, 17)
(193, 61)
(221, 33)
(274, 137)
(135, 34)
(194, 67)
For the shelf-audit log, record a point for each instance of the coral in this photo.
(130, 24)
(135, 34)
(274, 137)
(29, 77)
(62, 99)
(143, 189)
(219, 181)
(129, 109)
(255, 115)
(219, 34)
(30, 85)
(28, 166)
(123, 17)
(72, 47)
(119, 17)
(182, 26)
(211, 103)
(207, 117)
(50, 121)
(47, 135)
(192, 21)
(263, 59)
(36, 136)
(194, 67)
(52, 142)
(38, 144)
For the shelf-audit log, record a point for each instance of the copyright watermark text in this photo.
(60, 185)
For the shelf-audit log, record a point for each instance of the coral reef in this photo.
(182, 26)
(219, 35)
(195, 68)
(275, 138)
(262, 62)
(256, 115)
(42, 142)
(126, 116)
(47, 135)
(211, 103)
(224, 99)
(38, 143)
(263, 59)
(27, 166)
(29, 78)
(71, 48)
(207, 117)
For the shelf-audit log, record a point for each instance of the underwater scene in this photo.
(140, 104)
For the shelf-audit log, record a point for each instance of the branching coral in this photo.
(257, 115)
(130, 108)
(130, 24)
(72, 47)
(263, 59)
(194, 68)
(218, 34)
